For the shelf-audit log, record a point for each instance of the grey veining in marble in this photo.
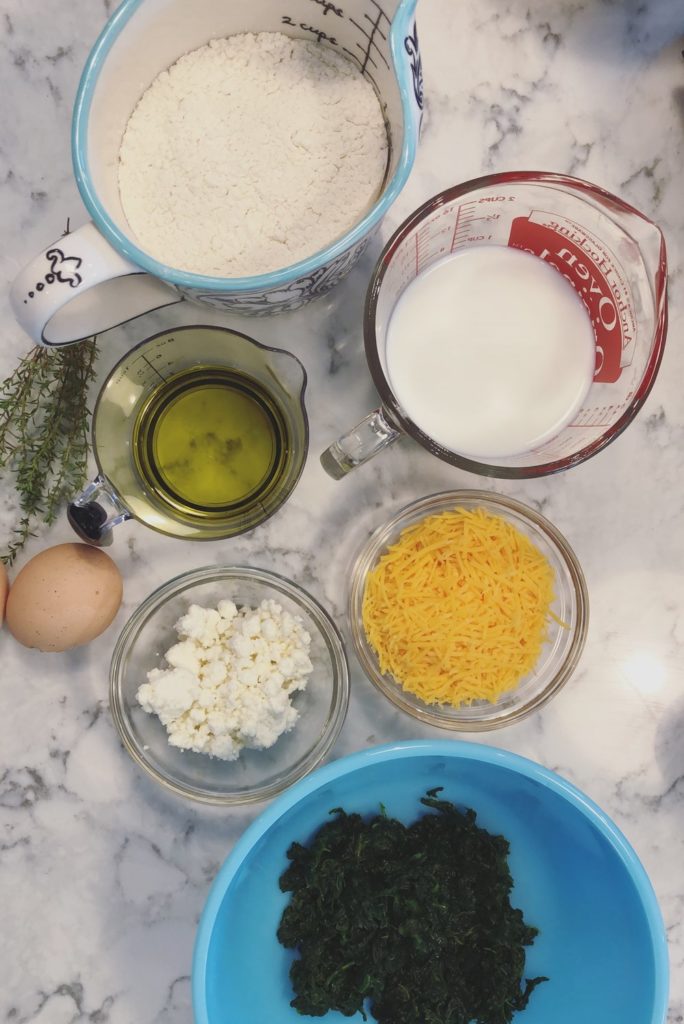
(102, 876)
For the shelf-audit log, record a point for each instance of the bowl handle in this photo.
(373, 434)
(80, 286)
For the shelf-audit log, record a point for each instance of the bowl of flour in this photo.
(238, 155)
(250, 154)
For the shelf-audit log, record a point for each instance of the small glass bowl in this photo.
(256, 774)
(560, 653)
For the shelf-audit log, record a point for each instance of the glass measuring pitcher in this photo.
(99, 276)
(612, 255)
(199, 433)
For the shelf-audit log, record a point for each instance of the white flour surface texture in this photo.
(251, 153)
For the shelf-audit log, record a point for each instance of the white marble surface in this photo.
(102, 875)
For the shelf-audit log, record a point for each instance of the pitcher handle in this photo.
(372, 435)
(80, 286)
(95, 512)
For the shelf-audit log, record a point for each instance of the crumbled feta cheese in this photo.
(184, 655)
(227, 610)
(199, 624)
(230, 678)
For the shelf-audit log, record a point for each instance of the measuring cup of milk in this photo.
(99, 276)
(514, 326)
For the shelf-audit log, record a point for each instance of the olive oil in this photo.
(210, 443)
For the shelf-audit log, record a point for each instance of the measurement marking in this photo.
(371, 40)
(417, 256)
(453, 239)
(366, 58)
(590, 419)
(382, 13)
(377, 27)
(377, 89)
(153, 368)
(359, 63)
(360, 28)
(587, 426)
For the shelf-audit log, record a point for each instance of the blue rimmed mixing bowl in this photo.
(601, 942)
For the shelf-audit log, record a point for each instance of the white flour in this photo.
(251, 153)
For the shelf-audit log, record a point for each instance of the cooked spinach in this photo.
(413, 922)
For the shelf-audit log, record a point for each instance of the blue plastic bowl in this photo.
(601, 940)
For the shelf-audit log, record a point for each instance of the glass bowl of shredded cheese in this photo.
(468, 610)
(227, 684)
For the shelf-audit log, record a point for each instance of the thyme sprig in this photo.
(44, 428)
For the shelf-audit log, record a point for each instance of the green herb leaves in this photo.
(415, 920)
(44, 433)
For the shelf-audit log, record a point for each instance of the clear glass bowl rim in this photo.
(372, 548)
(210, 574)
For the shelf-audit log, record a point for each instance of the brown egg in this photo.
(64, 597)
(4, 587)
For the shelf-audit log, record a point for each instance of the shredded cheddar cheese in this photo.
(457, 609)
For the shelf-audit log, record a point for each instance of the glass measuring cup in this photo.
(612, 255)
(147, 384)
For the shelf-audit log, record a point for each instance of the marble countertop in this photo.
(102, 875)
